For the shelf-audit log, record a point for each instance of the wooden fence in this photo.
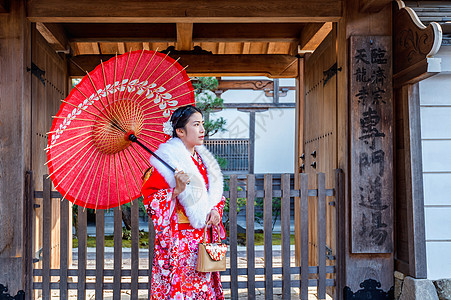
(235, 151)
(320, 276)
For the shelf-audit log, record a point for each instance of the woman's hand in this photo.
(213, 217)
(181, 180)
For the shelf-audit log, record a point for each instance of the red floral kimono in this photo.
(173, 271)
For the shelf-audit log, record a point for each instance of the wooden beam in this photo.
(258, 106)
(373, 6)
(235, 48)
(4, 7)
(118, 39)
(313, 35)
(212, 47)
(252, 32)
(221, 48)
(259, 48)
(87, 48)
(246, 48)
(255, 85)
(308, 32)
(184, 36)
(267, 86)
(416, 72)
(121, 48)
(120, 32)
(54, 35)
(180, 11)
(272, 66)
(164, 32)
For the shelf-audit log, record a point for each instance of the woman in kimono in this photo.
(181, 205)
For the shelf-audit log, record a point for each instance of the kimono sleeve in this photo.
(153, 182)
(220, 206)
(158, 200)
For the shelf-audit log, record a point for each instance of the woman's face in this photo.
(193, 132)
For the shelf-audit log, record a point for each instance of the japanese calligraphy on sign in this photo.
(371, 104)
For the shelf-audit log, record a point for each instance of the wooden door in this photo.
(319, 139)
(49, 86)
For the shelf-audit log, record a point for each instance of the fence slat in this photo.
(321, 219)
(285, 219)
(100, 252)
(267, 232)
(250, 243)
(82, 249)
(64, 245)
(340, 225)
(117, 252)
(47, 242)
(304, 235)
(135, 249)
(233, 185)
(151, 254)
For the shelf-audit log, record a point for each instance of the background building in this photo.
(435, 115)
(274, 135)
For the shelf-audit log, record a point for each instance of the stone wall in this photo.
(408, 288)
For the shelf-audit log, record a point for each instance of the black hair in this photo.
(180, 117)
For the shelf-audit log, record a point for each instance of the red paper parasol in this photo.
(91, 160)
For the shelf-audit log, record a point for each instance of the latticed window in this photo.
(234, 153)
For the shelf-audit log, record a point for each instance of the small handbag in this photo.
(211, 257)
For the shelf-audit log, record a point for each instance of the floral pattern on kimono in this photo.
(176, 245)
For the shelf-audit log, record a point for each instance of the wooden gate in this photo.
(269, 276)
(48, 86)
(319, 143)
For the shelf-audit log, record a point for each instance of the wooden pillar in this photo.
(15, 143)
(276, 91)
(252, 134)
(299, 150)
(413, 161)
(251, 142)
(355, 269)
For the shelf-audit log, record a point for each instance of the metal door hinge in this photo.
(37, 72)
(329, 73)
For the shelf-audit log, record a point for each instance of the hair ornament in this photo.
(168, 128)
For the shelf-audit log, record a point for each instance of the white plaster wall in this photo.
(274, 141)
(435, 111)
(237, 124)
(274, 129)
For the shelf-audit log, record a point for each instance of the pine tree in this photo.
(208, 102)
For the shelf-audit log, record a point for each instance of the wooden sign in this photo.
(371, 144)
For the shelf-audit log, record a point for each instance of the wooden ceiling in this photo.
(223, 38)
(215, 38)
(81, 48)
(233, 31)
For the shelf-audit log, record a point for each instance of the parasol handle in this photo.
(134, 139)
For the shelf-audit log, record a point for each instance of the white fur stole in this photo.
(196, 200)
